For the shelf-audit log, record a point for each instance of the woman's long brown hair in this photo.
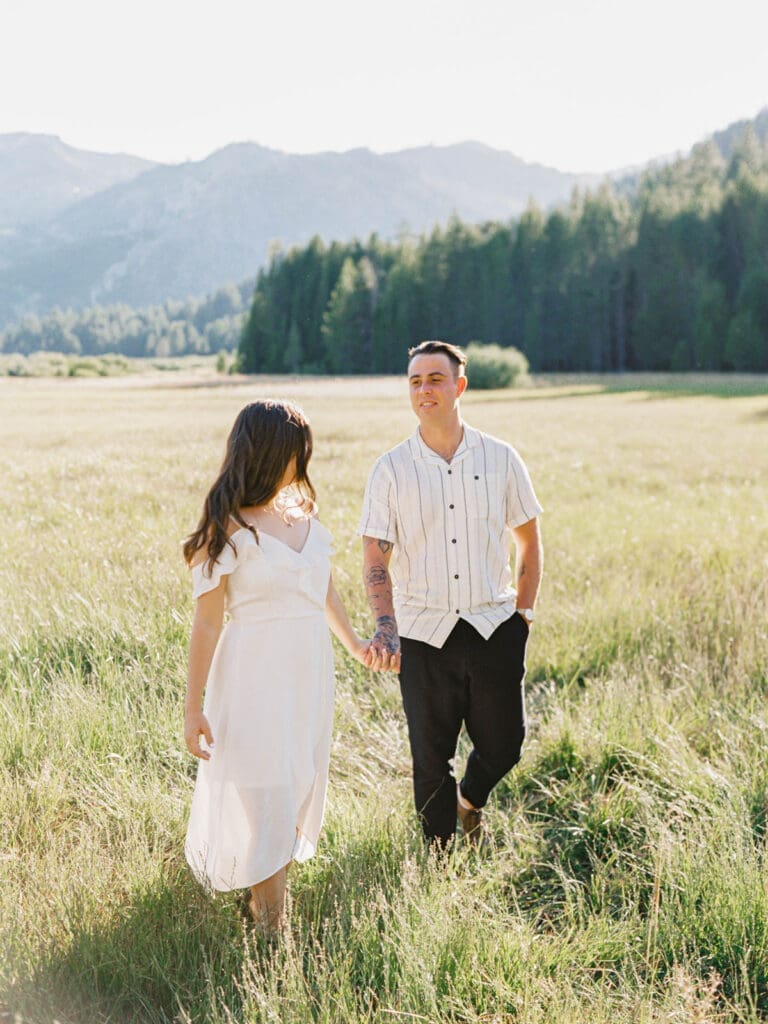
(264, 438)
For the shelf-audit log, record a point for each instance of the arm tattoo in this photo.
(378, 586)
(385, 546)
(376, 576)
(521, 571)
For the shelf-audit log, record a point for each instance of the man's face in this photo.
(435, 391)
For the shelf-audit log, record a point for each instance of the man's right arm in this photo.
(385, 643)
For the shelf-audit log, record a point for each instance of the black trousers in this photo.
(472, 681)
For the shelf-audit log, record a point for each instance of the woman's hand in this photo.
(361, 651)
(195, 726)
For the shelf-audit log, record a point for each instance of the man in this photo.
(441, 506)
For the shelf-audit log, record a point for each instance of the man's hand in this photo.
(385, 645)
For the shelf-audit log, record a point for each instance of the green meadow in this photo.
(626, 878)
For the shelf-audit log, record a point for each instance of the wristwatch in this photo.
(527, 614)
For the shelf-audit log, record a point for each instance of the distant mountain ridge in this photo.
(174, 231)
(79, 229)
(40, 176)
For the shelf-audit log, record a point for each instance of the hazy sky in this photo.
(583, 85)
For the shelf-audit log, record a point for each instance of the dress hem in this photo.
(303, 850)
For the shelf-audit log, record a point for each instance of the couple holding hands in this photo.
(438, 514)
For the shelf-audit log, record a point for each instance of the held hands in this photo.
(363, 651)
(376, 654)
(195, 725)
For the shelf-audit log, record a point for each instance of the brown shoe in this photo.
(472, 824)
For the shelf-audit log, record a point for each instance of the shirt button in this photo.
(458, 612)
(456, 576)
(450, 506)
(449, 472)
(477, 477)
(453, 541)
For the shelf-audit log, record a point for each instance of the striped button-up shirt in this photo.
(450, 526)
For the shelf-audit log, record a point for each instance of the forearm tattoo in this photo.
(386, 634)
(376, 576)
(378, 587)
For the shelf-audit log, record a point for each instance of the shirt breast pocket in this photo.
(485, 497)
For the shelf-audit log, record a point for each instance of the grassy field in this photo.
(626, 880)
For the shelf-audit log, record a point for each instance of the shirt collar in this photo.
(420, 450)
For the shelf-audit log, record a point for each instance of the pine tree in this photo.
(349, 318)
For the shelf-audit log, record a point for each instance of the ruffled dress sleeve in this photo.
(207, 577)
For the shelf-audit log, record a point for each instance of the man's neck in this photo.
(443, 439)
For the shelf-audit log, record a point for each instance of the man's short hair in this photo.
(454, 353)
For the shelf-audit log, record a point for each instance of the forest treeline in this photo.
(671, 275)
(196, 326)
(669, 272)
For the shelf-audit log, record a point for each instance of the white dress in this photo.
(258, 803)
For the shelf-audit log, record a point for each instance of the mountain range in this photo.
(80, 229)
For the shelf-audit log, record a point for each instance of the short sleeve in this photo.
(379, 517)
(207, 577)
(522, 504)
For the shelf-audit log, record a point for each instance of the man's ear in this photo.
(461, 386)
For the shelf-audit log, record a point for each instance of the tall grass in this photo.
(625, 880)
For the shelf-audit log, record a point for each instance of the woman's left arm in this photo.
(341, 627)
(206, 629)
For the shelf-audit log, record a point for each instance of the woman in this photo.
(260, 554)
